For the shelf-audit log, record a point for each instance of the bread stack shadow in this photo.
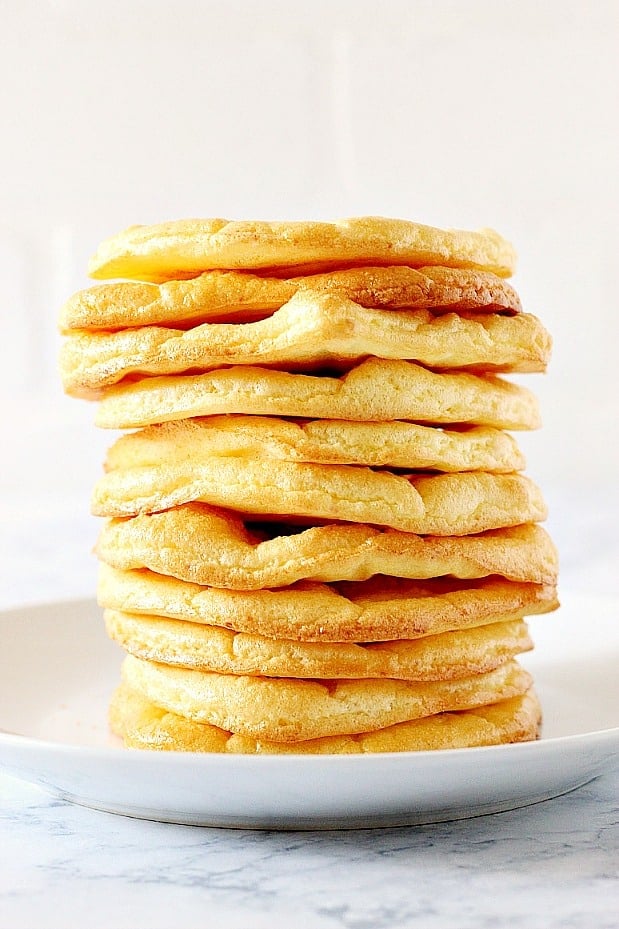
(318, 535)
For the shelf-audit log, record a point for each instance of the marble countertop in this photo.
(555, 864)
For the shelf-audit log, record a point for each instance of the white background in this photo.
(495, 113)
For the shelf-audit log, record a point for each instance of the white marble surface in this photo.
(553, 865)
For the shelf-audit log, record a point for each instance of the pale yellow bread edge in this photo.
(309, 332)
(377, 610)
(441, 504)
(143, 725)
(185, 248)
(173, 543)
(291, 710)
(446, 656)
(375, 390)
(242, 295)
(395, 444)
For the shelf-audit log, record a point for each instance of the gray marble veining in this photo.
(554, 865)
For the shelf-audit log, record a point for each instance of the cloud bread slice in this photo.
(198, 543)
(217, 295)
(291, 710)
(185, 248)
(376, 389)
(143, 725)
(395, 444)
(308, 332)
(376, 610)
(447, 656)
(440, 504)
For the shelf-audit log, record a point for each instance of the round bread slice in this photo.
(309, 332)
(393, 444)
(185, 248)
(218, 295)
(442, 504)
(379, 610)
(375, 390)
(199, 543)
(447, 656)
(292, 710)
(143, 725)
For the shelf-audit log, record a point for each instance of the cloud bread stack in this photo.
(318, 534)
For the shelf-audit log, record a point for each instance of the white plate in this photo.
(58, 669)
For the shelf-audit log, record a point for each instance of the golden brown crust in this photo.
(196, 646)
(203, 545)
(218, 295)
(393, 444)
(185, 248)
(373, 390)
(291, 710)
(377, 610)
(145, 726)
